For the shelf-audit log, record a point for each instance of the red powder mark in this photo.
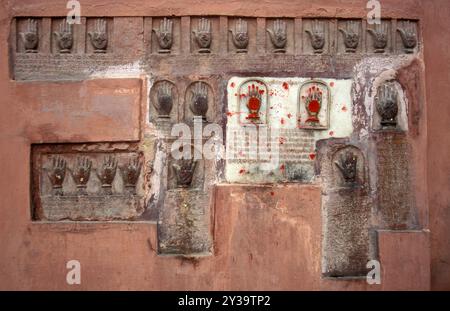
(271, 107)
(289, 115)
(344, 108)
(242, 171)
(285, 86)
(282, 120)
(331, 84)
(235, 94)
(272, 193)
(282, 140)
(232, 84)
(230, 114)
(312, 156)
(261, 92)
(331, 133)
(282, 167)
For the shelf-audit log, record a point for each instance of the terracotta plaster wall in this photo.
(256, 247)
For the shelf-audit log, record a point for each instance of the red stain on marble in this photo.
(331, 84)
(282, 121)
(312, 156)
(241, 171)
(282, 167)
(289, 115)
(344, 108)
(230, 114)
(232, 84)
(331, 133)
(285, 86)
(282, 140)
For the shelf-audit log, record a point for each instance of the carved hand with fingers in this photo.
(81, 174)
(107, 172)
(278, 36)
(130, 174)
(64, 37)
(409, 36)
(164, 35)
(184, 172)
(203, 35)
(380, 37)
(57, 174)
(317, 36)
(30, 37)
(351, 36)
(240, 36)
(99, 37)
(254, 101)
(387, 106)
(347, 164)
(165, 100)
(199, 105)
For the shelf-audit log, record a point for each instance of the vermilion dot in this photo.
(312, 156)
(285, 86)
(232, 84)
(331, 84)
(314, 106)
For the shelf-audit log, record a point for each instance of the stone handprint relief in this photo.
(99, 36)
(199, 99)
(106, 173)
(164, 99)
(409, 36)
(203, 35)
(184, 172)
(347, 165)
(314, 105)
(254, 102)
(317, 36)
(30, 37)
(351, 36)
(64, 37)
(57, 174)
(130, 174)
(387, 105)
(380, 37)
(81, 174)
(240, 36)
(164, 35)
(278, 36)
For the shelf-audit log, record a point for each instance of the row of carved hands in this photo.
(64, 37)
(82, 171)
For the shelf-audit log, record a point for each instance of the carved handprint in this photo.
(317, 36)
(387, 105)
(81, 174)
(130, 174)
(313, 103)
(348, 167)
(409, 36)
(351, 36)
(64, 37)
(99, 37)
(278, 35)
(380, 37)
(184, 172)
(164, 35)
(107, 172)
(57, 174)
(203, 35)
(164, 99)
(30, 37)
(199, 105)
(254, 102)
(240, 36)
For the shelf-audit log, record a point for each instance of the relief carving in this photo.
(99, 37)
(64, 37)
(240, 36)
(81, 174)
(184, 172)
(203, 35)
(351, 36)
(199, 100)
(106, 174)
(164, 35)
(347, 165)
(387, 105)
(317, 36)
(380, 37)
(130, 174)
(30, 37)
(314, 105)
(164, 101)
(278, 36)
(409, 36)
(57, 174)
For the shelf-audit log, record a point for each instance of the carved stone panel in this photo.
(79, 182)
